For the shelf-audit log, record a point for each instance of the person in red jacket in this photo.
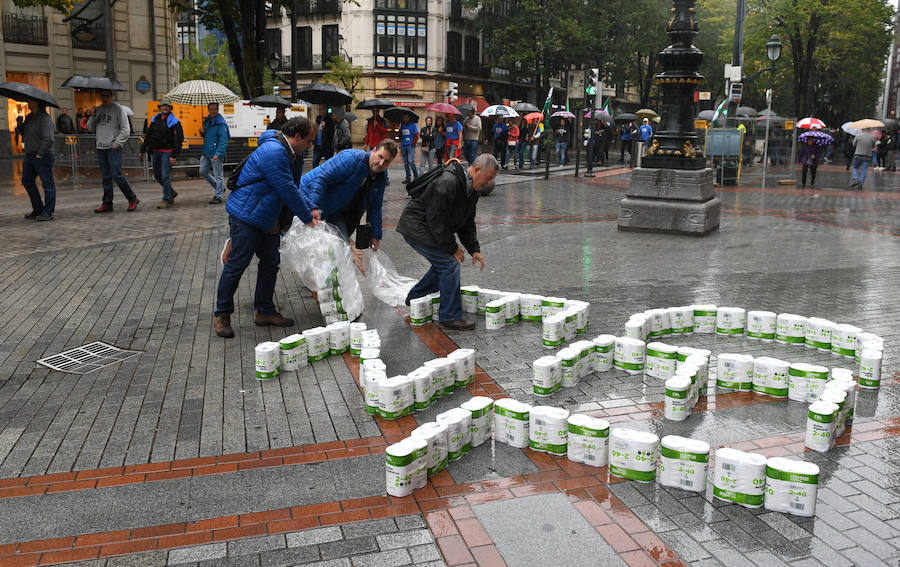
(376, 130)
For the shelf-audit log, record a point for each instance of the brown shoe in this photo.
(458, 325)
(273, 319)
(163, 204)
(223, 326)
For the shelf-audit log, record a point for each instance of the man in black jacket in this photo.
(430, 223)
(163, 140)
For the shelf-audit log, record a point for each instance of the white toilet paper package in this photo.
(705, 319)
(660, 362)
(546, 375)
(790, 329)
(548, 429)
(485, 296)
(435, 435)
(568, 358)
(633, 454)
(735, 372)
(469, 298)
(481, 409)
(604, 346)
(588, 439)
(740, 477)
(582, 314)
(820, 426)
(338, 337)
(371, 386)
(844, 339)
(761, 325)
(818, 333)
(512, 422)
(730, 321)
(268, 360)
(317, 347)
(585, 364)
(423, 387)
(530, 306)
(629, 355)
(700, 359)
(420, 311)
(465, 366)
(682, 320)
(552, 306)
(865, 341)
(683, 463)
(838, 398)
(870, 369)
(459, 432)
(571, 321)
(554, 331)
(444, 375)
(635, 327)
(791, 486)
(512, 307)
(678, 398)
(495, 315)
(293, 352)
(406, 466)
(395, 397)
(356, 337)
(658, 322)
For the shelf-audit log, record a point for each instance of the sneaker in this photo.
(222, 324)
(103, 209)
(45, 216)
(458, 325)
(273, 319)
(405, 181)
(215, 201)
(163, 204)
(132, 205)
(32, 215)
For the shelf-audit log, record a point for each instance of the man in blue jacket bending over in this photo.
(259, 209)
(350, 184)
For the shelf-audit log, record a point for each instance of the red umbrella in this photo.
(533, 116)
(443, 107)
(811, 122)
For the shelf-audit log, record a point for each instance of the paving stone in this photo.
(256, 544)
(292, 556)
(374, 527)
(784, 526)
(390, 557)
(409, 522)
(348, 547)
(424, 553)
(314, 536)
(197, 553)
(404, 539)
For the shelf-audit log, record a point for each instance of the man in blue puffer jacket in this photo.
(267, 185)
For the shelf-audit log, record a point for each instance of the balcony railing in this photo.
(96, 28)
(319, 8)
(306, 63)
(18, 28)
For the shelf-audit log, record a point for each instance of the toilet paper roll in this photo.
(798, 382)
(420, 311)
(373, 391)
(512, 422)
(791, 486)
(571, 320)
(730, 321)
(682, 353)
(761, 325)
(512, 307)
(552, 306)
(356, 337)
(867, 341)
(692, 373)
(293, 352)
(554, 331)
(367, 353)
(435, 435)
(816, 377)
(629, 355)
(740, 477)
(678, 398)
(495, 315)
(396, 397)
(660, 361)
(338, 337)
(317, 343)
(485, 296)
(548, 430)
(633, 454)
(682, 320)
(837, 373)
(588, 439)
(465, 366)
(268, 360)
(775, 373)
(838, 398)
(423, 387)
(705, 318)
(582, 314)
(635, 328)
(658, 322)
(469, 298)
(844, 340)
(435, 305)
(734, 372)
(530, 307)
(482, 410)
(568, 358)
(683, 463)
(546, 375)
(604, 350)
(459, 432)
(790, 329)
(444, 375)
(403, 461)
(870, 369)
(849, 388)
(585, 364)
(818, 333)
(701, 361)
(820, 426)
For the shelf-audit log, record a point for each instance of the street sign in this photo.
(704, 95)
(788, 124)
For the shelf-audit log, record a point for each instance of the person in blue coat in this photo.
(215, 140)
(259, 210)
(349, 184)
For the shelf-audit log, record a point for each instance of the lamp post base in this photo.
(671, 201)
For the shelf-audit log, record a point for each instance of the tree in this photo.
(343, 73)
(637, 36)
(716, 40)
(209, 62)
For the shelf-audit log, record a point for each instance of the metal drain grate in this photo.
(86, 358)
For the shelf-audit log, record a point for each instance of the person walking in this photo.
(471, 135)
(342, 139)
(409, 137)
(501, 134)
(426, 135)
(562, 142)
(37, 136)
(64, 123)
(890, 142)
(376, 130)
(512, 143)
(440, 139)
(280, 119)
(163, 141)
(453, 134)
(646, 130)
(627, 137)
(809, 159)
(863, 145)
(260, 210)
(328, 128)
(533, 137)
(317, 146)
(110, 124)
(215, 141)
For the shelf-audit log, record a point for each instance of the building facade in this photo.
(40, 48)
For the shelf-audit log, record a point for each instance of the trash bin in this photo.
(729, 173)
(638, 151)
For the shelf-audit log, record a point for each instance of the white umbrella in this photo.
(500, 110)
(201, 93)
(128, 111)
(848, 128)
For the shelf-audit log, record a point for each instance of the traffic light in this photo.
(452, 92)
(593, 81)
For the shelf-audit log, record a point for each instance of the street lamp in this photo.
(773, 52)
(773, 48)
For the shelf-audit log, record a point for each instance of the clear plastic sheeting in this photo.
(382, 278)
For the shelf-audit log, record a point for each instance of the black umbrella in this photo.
(626, 117)
(706, 114)
(374, 104)
(270, 101)
(891, 124)
(524, 108)
(97, 82)
(350, 117)
(324, 93)
(395, 114)
(466, 108)
(24, 92)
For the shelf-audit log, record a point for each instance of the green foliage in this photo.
(344, 73)
(716, 40)
(64, 6)
(210, 62)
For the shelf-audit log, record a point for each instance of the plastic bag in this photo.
(382, 278)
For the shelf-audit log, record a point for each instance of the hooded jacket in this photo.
(110, 123)
(215, 140)
(163, 135)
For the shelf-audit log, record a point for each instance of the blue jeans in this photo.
(162, 172)
(428, 157)
(217, 177)
(470, 150)
(562, 152)
(409, 161)
(443, 277)
(33, 167)
(533, 153)
(110, 162)
(860, 163)
(520, 154)
(247, 240)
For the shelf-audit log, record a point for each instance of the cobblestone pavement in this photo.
(180, 456)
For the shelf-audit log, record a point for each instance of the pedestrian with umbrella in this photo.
(37, 135)
(376, 127)
(162, 141)
(454, 131)
(440, 138)
(280, 119)
(110, 124)
(471, 135)
(512, 142)
(863, 145)
(64, 123)
(810, 152)
(215, 142)
(427, 137)
(342, 139)
(562, 142)
(500, 134)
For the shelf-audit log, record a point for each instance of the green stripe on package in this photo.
(760, 335)
(684, 456)
(506, 412)
(738, 497)
(644, 476)
(792, 476)
(588, 432)
(658, 354)
(677, 394)
(629, 365)
(721, 331)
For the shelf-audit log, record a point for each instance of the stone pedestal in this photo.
(673, 201)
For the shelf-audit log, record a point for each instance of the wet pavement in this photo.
(180, 456)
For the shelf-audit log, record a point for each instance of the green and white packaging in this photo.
(546, 375)
(530, 307)
(740, 477)
(571, 322)
(730, 321)
(820, 424)
(604, 351)
(734, 372)
(420, 311)
(705, 319)
(637, 327)
(678, 398)
(317, 347)
(459, 432)
(660, 361)
(435, 435)
(406, 469)
(511, 422)
(396, 397)
(485, 296)
(552, 306)
(356, 337)
(338, 337)
(495, 315)
(682, 320)
(372, 382)
(482, 410)
(790, 329)
(268, 360)
(629, 355)
(683, 463)
(844, 340)
(816, 377)
(588, 439)
(568, 358)
(554, 331)
(870, 369)
(444, 375)
(791, 486)
(512, 307)
(465, 366)
(818, 333)
(866, 341)
(293, 352)
(761, 326)
(423, 387)
(469, 298)
(633, 454)
(548, 430)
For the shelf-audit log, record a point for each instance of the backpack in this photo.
(418, 185)
(232, 182)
